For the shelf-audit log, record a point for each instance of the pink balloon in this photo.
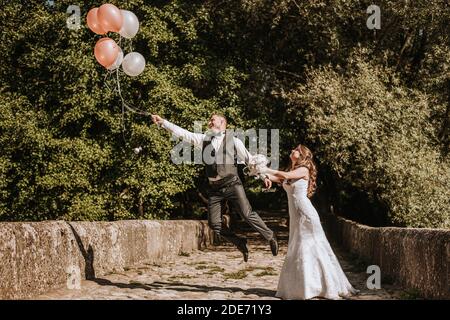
(93, 23)
(106, 51)
(110, 17)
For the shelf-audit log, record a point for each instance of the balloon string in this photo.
(124, 104)
(107, 76)
(123, 124)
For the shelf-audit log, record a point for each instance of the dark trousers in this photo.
(231, 189)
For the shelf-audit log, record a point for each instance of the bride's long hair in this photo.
(306, 160)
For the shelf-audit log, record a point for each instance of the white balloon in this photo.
(118, 61)
(133, 64)
(130, 24)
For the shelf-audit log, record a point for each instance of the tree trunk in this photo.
(141, 208)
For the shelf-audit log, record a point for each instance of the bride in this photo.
(311, 268)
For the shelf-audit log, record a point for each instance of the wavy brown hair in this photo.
(306, 160)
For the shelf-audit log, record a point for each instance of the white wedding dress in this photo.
(311, 268)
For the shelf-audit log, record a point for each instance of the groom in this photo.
(221, 152)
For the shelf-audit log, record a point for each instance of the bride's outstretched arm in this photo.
(273, 178)
(298, 173)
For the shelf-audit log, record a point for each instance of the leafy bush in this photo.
(380, 129)
(65, 154)
(377, 136)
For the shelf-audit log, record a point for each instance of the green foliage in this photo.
(373, 105)
(377, 136)
(64, 152)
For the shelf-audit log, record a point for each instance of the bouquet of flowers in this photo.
(256, 165)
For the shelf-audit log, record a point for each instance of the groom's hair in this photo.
(222, 116)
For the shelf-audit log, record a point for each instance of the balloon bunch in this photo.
(108, 18)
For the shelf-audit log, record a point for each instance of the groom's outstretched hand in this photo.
(157, 119)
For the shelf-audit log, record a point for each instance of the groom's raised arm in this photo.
(193, 138)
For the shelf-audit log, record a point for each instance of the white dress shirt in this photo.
(197, 139)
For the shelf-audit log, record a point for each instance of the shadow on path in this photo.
(183, 287)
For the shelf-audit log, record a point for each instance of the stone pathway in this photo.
(214, 273)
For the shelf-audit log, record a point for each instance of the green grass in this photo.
(184, 254)
(216, 269)
(265, 273)
(241, 274)
(197, 263)
(143, 268)
(153, 264)
(253, 268)
(210, 268)
(182, 276)
(411, 294)
(201, 267)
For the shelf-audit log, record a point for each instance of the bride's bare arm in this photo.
(274, 178)
(298, 173)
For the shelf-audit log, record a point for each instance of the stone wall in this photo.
(415, 258)
(40, 256)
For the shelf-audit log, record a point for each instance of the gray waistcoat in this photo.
(225, 162)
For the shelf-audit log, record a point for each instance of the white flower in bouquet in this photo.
(257, 165)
